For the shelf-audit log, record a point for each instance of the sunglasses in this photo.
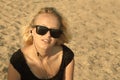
(42, 30)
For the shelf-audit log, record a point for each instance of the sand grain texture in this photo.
(94, 24)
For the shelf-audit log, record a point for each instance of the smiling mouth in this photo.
(46, 40)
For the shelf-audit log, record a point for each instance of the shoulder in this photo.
(68, 55)
(16, 59)
(67, 51)
(16, 56)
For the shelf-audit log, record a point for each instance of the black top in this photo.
(19, 63)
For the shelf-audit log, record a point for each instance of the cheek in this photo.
(36, 37)
(54, 41)
(34, 31)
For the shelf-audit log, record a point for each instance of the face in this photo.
(49, 22)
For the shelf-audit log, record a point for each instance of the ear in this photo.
(30, 31)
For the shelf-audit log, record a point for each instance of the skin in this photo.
(50, 54)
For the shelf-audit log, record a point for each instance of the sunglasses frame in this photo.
(42, 30)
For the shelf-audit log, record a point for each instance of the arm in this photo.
(69, 71)
(12, 73)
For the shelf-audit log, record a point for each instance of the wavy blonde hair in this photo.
(64, 38)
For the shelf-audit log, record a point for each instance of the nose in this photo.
(48, 34)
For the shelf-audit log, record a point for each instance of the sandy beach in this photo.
(94, 27)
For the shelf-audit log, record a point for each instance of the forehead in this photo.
(46, 19)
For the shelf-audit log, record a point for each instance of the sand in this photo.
(94, 26)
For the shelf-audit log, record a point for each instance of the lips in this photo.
(46, 40)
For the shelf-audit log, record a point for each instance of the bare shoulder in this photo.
(12, 73)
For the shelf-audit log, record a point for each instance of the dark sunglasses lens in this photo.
(55, 33)
(41, 30)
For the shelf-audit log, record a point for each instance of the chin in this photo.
(47, 46)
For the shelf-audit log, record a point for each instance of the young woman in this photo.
(44, 55)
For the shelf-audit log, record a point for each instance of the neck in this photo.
(42, 52)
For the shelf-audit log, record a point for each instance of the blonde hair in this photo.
(64, 38)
